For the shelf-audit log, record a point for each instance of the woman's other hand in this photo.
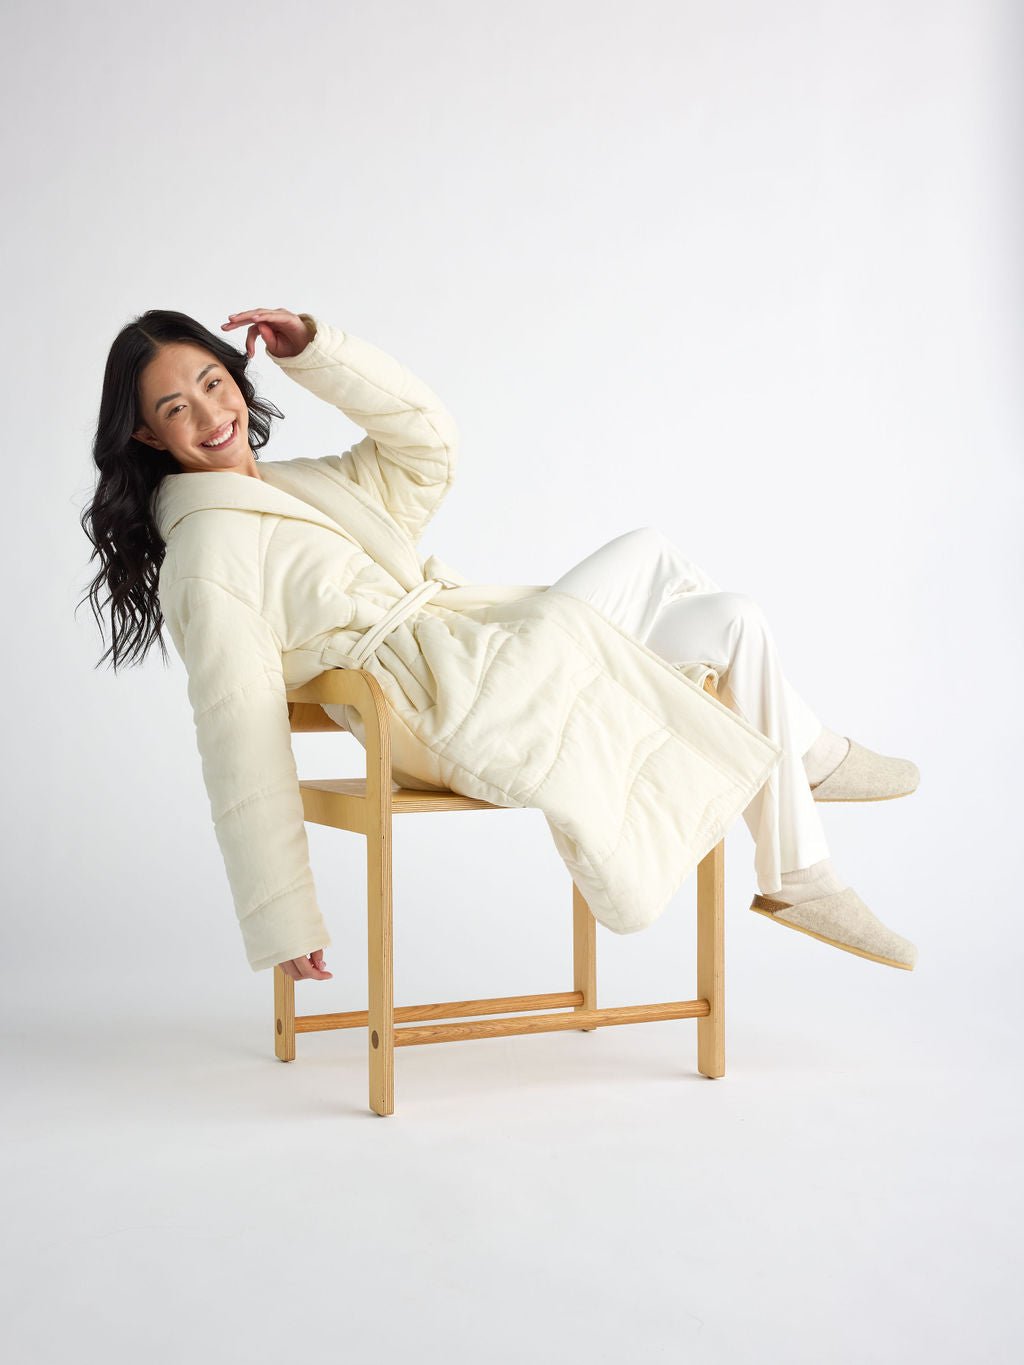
(311, 967)
(284, 334)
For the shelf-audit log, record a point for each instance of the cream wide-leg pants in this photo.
(645, 584)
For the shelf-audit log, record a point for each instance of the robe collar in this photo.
(297, 489)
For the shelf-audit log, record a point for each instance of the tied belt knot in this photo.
(334, 656)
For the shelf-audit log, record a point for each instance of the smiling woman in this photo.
(200, 417)
(570, 697)
(175, 399)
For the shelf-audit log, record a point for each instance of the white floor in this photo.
(849, 1192)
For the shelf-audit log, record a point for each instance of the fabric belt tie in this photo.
(333, 656)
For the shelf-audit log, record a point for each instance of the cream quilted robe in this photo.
(517, 695)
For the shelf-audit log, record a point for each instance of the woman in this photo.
(582, 698)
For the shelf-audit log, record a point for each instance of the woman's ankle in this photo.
(808, 883)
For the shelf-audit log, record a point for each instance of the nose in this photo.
(210, 419)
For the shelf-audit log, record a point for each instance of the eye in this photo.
(181, 405)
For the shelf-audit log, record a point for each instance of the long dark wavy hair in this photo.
(118, 520)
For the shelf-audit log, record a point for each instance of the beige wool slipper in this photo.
(865, 775)
(843, 920)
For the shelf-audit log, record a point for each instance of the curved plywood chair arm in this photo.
(348, 687)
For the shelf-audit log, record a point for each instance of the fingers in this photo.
(256, 331)
(251, 315)
(315, 970)
(317, 959)
(261, 324)
(310, 968)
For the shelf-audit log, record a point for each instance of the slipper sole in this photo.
(858, 952)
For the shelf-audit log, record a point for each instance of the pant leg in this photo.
(631, 577)
(643, 582)
(730, 631)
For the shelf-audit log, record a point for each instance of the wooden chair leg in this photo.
(284, 1016)
(380, 967)
(584, 953)
(711, 961)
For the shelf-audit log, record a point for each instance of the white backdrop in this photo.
(747, 272)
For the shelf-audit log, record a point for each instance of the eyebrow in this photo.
(168, 396)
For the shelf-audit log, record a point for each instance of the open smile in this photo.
(221, 438)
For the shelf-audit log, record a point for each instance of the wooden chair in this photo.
(366, 806)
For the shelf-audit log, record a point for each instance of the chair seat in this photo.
(341, 802)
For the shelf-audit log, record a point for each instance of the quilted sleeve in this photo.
(407, 460)
(237, 691)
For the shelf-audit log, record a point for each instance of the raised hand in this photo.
(284, 334)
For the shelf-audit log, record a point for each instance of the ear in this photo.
(144, 435)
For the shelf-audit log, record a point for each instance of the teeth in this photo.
(210, 445)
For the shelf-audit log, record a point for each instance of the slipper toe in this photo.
(865, 775)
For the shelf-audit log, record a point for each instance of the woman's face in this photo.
(189, 400)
